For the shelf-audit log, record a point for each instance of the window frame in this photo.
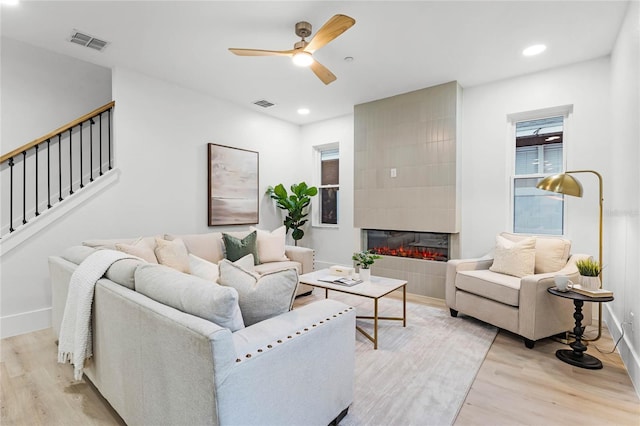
(564, 111)
(317, 179)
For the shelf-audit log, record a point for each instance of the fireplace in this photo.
(408, 244)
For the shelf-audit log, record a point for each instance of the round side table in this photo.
(577, 356)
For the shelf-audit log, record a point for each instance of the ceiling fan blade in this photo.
(329, 31)
(258, 52)
(322, 72)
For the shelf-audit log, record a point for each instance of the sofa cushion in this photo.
(203, 268)
(260, 297)
(173, 254)
(111, 242)
(491, 285)
(236, 248)
(207, 246)
(514, 258)
(552, 253)
(142, 248)
(271, 244)
(190, 294)
(265, 268)
(76, 254)
(123, 272)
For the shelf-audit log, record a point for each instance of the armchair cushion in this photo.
(491, 285)
(514, 258)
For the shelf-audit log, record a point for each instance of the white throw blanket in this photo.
(75, 342)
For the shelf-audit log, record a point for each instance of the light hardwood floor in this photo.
(514, 386)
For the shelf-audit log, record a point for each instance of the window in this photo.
(329, 184)
(538, 153)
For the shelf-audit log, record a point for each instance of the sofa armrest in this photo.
(302, 255)
(541, 312)
(456, 265)
(277, 360)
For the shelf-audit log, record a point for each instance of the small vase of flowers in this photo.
(364, 259)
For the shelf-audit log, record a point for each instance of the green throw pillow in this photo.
(237, 248)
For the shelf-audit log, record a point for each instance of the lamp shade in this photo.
(562, 184)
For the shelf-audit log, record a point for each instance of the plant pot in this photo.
(365, 274)
(591, 283)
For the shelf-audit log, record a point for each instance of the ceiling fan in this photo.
(302, 52)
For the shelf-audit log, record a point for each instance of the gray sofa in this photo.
(157, 365)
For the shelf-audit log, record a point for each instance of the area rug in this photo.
(419, 375)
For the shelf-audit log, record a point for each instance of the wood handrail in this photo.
(57, 131)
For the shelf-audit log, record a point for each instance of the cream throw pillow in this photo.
(139, 248)
(203, 268)
(260, 297)
(173, 254)
(514, 258)
(271, 244)
(552, 253)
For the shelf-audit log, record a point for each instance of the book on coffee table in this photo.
(345, 281)
(592, 292)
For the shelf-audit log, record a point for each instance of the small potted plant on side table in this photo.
(589, 273)
(364, 259)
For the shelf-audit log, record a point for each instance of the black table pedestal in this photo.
(577, 356)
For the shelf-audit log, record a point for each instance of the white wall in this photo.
(333, 245)
(622, 192)
(161, 132)
(42, 91)
(487, 149)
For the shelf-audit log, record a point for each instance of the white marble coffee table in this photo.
(375, 288)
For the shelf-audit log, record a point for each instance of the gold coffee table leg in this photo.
(375, 323)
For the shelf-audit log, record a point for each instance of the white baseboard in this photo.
(628, 353)
(25, 322)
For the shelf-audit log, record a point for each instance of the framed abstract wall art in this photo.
(232, 186)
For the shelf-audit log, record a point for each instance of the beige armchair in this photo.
(521, 305)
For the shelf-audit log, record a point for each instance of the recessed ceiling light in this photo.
(303, 111)
(536, 49)
(348, 58)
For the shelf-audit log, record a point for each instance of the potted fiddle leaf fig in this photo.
(296, 205)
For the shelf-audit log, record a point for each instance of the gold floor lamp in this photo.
(568, 185)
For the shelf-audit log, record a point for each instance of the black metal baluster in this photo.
(60, 167)
(81, 173)
(37, 212)
(11, 195)
(109, 129)
(24, 187)
(100, 144)
(91, 123)
(70, 165)
(48, 173)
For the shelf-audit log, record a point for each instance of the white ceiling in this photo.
(397, 46)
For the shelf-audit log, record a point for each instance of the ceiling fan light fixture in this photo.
(302, 59)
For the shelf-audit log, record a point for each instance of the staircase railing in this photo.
(44, 172)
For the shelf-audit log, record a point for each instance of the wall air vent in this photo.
(264, 103)
(86, 40)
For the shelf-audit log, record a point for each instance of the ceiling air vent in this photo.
(87, 40)
(264, 103)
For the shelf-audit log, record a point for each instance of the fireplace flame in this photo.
(411, 252)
